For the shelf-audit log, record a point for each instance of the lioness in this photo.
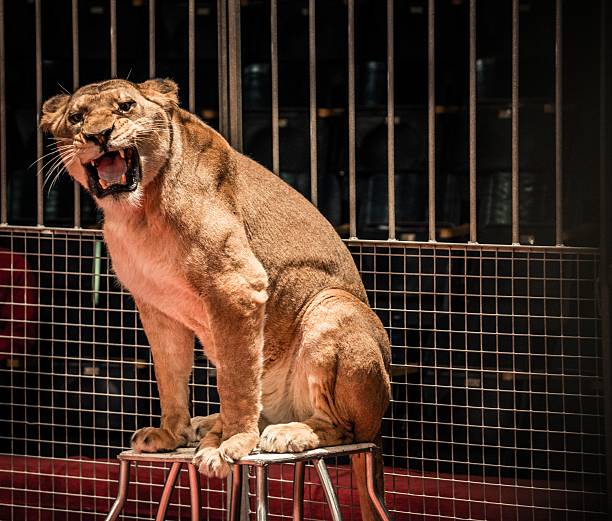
(210, 243)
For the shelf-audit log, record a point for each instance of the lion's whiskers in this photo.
(59, 168)
(61, 158)
(57, 150)
(55, 167)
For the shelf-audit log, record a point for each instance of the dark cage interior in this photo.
(459, 146)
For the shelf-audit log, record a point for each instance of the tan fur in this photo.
(214, 245)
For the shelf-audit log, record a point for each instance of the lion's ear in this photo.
(52, 111)
(162, 91)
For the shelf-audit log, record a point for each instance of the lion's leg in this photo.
(236, 431)
(341, 368)
(236, 315)
(328, 425)
(172, 349)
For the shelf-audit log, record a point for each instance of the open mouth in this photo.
(114, 172)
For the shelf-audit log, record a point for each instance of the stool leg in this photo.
(261, 475)
(298, 491)
(124, 481)
(235, 493)
(167, 492)
(375, 495)
(244, 505)
(328, 488)
(195, 491)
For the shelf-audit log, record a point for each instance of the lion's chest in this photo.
(149, 267)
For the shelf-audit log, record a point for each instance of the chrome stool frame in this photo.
(261, 462)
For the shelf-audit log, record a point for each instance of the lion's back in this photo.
(298, 247)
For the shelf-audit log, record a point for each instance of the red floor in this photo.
(47, 489)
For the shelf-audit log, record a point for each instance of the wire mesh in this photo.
(497, 406)
(76, 382)
(497, 394)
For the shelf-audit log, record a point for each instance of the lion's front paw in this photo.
(210, 462)
(288, 437)
(215, 461)
(152, 439)
(238, 445)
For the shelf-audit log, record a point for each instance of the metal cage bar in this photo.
(152, 32)
(3, 180)
(312, 107)
(431, 119)
(274, 84)
(559, 122)
(113, 38)
(222, 58)
(390, 122)
(515, 122)
(76, 195)
(234, 71)
(604, 216)
(40, 210)
(472, 120)
(191, 43)
(351, 121)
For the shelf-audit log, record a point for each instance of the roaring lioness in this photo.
(210, 243)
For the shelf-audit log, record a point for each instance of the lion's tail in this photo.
(368, 511)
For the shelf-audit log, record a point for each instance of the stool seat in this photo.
(259, 460)
(256, 458)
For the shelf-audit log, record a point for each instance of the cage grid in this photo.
(494, 415)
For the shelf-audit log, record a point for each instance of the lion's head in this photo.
(113, 136)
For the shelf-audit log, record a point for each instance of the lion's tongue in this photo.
(111, 169)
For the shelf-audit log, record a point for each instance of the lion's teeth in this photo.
(103, 183)
(93, 163)
(123, 179)
(122, 153)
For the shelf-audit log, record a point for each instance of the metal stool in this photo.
(260, 461)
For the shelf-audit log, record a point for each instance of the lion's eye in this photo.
(75, 118)
(126, 106)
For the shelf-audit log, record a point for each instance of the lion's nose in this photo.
(99, 138)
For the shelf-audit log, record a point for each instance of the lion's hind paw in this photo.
(202, 425)
(288, 437)
(152, 439)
